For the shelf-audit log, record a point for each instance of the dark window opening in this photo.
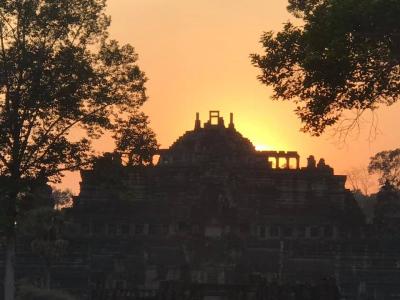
(244, 228)
(314, 231)
(274, 231)
(98, 228)
(85, 228)
(112, 229)
(139, 228)
(328, 231)
(196, 229)
(182, 227)
(154, 229)
(262, 231)
(124, 229)
(301, 231)
(287, 231)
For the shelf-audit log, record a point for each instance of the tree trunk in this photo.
(10, 233)
(9, 277)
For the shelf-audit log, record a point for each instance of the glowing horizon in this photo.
(196, 56)
(263, 148)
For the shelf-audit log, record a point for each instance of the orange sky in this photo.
(196, 56)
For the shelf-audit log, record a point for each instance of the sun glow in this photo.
(263, 148)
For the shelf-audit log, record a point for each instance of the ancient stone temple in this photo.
(214, 211)
(212, 183)
(215, 219)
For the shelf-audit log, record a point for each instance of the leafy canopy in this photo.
(45, 227)
(387, 165)
(59, 71)
(135, 140)
(345, 56)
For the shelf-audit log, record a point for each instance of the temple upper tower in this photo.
(215, 120)
(219, 144)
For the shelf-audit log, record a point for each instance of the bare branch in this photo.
(8, 23)
(61, 133)
(3, 53)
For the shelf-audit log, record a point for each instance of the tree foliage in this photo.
(59, 71)
(47, 229)
(367, 204)
(136, 140)
(62, 198)
(345, 56)
(387, 165)
(387, 209)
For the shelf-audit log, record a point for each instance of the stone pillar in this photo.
(287, 162)
(197, 124)
(231, 125)
(277, 162)
(297, 163)
(311, 163)
(221, 122)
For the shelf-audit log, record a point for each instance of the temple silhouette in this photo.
(214, 218)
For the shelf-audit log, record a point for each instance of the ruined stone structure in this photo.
(216, 219)
(212, 183)
(213, 210)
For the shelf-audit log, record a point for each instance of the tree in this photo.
(387, 165)
(58, 71)
(387, 209)
(359, 180)
(345, 56)
(46, 228)
(135, 140)
(62, 198)
(367, 204)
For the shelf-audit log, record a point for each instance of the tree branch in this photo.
(8, 23)
(3, 53)
(25, 138)
(57, 137)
